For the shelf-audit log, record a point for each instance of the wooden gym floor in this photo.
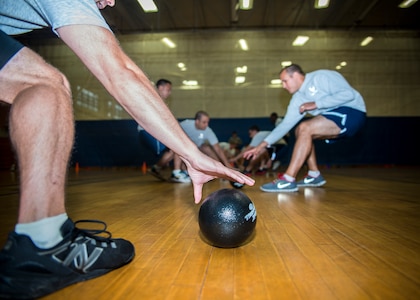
(356, 238)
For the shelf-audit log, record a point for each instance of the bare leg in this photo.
(177, 162)
(41, 131)
(165, 159)
(311, 161)
(208, 150)
(304, 150)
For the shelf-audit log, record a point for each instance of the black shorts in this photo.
(9, 47)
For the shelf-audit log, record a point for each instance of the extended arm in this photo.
(100, 52)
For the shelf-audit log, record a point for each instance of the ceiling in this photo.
(174, 15)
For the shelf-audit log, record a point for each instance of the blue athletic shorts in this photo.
(348, 119)
(157, 147)
(9, 47)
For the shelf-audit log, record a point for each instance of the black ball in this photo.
(236, 185)
(227, 218)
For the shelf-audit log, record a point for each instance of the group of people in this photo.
(39, 256)
(197, 130)
(336, 111)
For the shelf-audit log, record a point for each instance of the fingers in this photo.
(198, 192)
(242, 178)
(249, 155)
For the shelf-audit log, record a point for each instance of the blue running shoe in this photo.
(279, 185)
(310, 181)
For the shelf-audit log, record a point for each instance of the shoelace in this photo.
(94, 233)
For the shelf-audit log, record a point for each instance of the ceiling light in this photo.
(241, 70)
(239, 79)
(148, 5)
(343, 63)
(168, 42)
(182, 66)
(286, 63)
(190, 82)
(407, 3)
(246, 4)
(366, 41)
(275, 82)
(321, 3)
(300, 40)
(243, 44)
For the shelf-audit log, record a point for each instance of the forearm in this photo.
(221, 155)
(123, 79)
(261, 148)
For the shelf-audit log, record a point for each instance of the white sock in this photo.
(176, 172)
(289, 178)
(314, 174)
(45, 233)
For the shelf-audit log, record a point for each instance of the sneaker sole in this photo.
(177, 181)
(160, 177)
(49, 284)
(279, 191)
(312, 184)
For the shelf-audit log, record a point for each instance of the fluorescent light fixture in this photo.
(148, 5)
(168, 42)
(246, 4)
(407, 3)
(286, 63)
(275, 82)
(300, 40)
(242, 70)
(190, 82)
(366, 41)
(239, 79)
(190, 85)
(182, 66)
(243, 44)
(321, 3)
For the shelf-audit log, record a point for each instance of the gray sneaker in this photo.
(310, 181)
(279, 185)
(181, 177)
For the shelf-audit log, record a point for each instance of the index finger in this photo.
(198, 192)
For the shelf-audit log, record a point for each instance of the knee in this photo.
(302, 129)
(204, 148)
(48, 101)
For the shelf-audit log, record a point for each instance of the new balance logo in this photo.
(78, 257)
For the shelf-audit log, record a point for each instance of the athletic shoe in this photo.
(154, 172)
(29, 272)
(309, 181)
(181, 177)
(261, 172)
(279, 185)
